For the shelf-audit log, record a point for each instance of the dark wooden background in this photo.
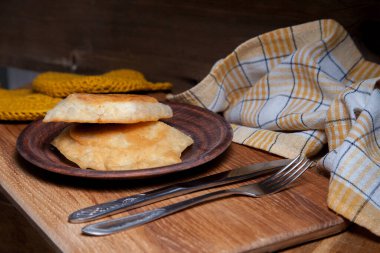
(175, 41)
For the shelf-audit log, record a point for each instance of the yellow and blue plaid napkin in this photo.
(295, 89)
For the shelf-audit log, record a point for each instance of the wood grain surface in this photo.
(236, 224)
(210, 132)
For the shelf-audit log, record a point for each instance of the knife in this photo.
(142, 199)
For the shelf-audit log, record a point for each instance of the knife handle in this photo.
(116, 225)
(127, 203)
(124, 204)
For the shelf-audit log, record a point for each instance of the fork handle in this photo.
(123, 223)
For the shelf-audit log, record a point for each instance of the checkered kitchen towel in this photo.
(291, 91)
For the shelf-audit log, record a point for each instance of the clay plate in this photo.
(210, 132)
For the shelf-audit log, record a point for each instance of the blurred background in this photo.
(176, 41)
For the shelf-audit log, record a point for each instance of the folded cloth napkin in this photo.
(291, 91)
(57, 84)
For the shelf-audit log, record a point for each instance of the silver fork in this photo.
(270, 185)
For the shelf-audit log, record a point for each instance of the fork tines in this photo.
(288, 174)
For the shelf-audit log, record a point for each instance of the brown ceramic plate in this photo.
(210, 132)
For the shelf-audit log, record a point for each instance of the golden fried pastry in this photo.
(122, 146)
(108, 108)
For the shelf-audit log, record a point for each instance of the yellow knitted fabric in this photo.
(23, 104)
(58, 84)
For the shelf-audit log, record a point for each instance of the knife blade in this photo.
(123, 204)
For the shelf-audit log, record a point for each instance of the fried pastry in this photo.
(122, 146)
(108, 108)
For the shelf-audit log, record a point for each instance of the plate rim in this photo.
(130, 174)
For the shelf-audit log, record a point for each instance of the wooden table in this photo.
(45, 199)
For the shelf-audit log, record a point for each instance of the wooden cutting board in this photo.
(235, 224)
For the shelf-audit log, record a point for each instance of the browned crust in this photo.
(102, 98)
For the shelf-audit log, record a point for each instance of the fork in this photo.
(270, 185)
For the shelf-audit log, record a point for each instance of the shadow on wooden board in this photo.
(16, 233)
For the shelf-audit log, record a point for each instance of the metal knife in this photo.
(138, 200)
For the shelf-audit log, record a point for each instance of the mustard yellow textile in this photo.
(28, 104)
(23, 104)
(295, 89)
(58, 84)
